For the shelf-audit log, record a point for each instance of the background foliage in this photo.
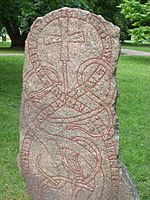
(138, 13)
(18, 15)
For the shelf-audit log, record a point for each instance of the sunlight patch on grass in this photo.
(5, 48)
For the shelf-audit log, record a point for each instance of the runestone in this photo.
(69, 146)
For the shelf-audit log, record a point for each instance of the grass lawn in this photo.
(11, 185)
(133, 109)
(142, 47)
(4, 48)
(133, 112)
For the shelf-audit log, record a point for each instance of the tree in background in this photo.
(18, 15)
(9, 12)
(110, 10)
(138, 13)
(107, 8)
(32, 9)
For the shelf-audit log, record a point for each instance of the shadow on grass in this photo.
(133, 46)
(138, 45)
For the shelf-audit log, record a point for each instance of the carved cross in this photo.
(65, 38)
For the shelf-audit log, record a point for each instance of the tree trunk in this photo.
(19, 42)
(17, 39)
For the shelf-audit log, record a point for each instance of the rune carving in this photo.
(69, 148)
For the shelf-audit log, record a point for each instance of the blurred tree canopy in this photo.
(138, 13)
(10, 11)
(18, 15)
(111, 11)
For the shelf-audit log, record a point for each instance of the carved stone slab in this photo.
(68, 135)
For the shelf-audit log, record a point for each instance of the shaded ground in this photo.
(133, 46)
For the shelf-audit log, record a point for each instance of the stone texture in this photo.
(68, 135)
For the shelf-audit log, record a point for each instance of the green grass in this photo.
(142, 47)
(5, 48)
(133, 77)
(133, 111)
(11, 185)
(5, 44)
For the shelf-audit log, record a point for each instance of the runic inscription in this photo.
(69, 143)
